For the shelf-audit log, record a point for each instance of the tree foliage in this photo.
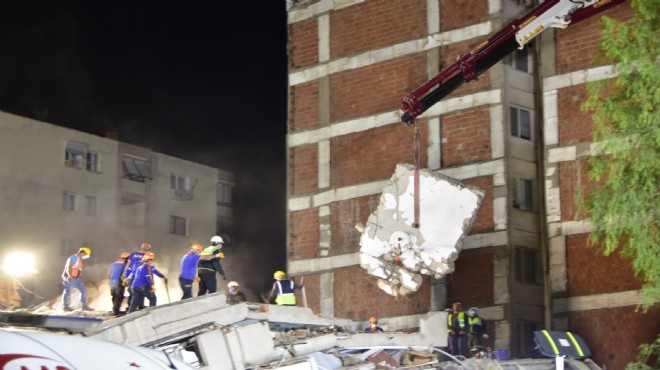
(623, 207)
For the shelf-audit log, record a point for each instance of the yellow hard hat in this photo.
(279, 275)
(373, 320)
(86, 250)
(145, 246)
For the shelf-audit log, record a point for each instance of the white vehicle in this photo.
(22, 349)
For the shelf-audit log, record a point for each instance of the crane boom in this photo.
(516, 34)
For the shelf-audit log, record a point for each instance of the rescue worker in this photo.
(134, 261)
(456, 324)
(373, 326)
(72, 278)
(143, 282)
(283, 289)
(116, 273)
(476, 328)
(209, 266)
(234, 296)
(189, 270)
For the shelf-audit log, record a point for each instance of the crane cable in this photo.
(416, 178)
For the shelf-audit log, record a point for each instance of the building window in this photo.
(90, 205)
(180, 188)
(92, 162)
(224, 211)
(525, 347)
(68, 201)
(528, 266)
(224, 193)
(524, 197)
(521, 123)
(74, 155)
(178, 225)
(520, 60)
(135, 169)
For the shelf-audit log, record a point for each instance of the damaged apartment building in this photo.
(516, 136)
(72, 189)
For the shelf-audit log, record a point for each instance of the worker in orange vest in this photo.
(72, 278)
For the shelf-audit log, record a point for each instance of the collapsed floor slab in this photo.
(417, 228)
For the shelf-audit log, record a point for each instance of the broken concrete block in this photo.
(397, 250)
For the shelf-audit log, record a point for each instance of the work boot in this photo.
(87, 308)
(68, 309)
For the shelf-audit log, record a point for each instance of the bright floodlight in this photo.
(19, 264)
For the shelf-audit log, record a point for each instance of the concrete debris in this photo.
(206, 333)
(399, 252)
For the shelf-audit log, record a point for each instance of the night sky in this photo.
(204, 81)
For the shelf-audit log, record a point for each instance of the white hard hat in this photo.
(232, 283)
(216, 240)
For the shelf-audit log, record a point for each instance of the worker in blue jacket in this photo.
(134, 261)
(188, 273)
(143, 282)
(117, 272)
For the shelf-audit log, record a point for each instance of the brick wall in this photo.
(457, 14)
(357, 297)
(304, 106)
(375, 24)
(572, 177)
(311, 292)
(375, 88)
(614, 334)
(304, 234)
(466, 136)
(304, 44)
(575, 125)
(576, 45)
(471, 283)
(303, 169)
(484, 221)
(590, 272)
(373, 155)
(345, 215)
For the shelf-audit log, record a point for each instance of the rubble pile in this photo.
(399, 251)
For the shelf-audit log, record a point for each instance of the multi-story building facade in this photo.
(62, 189)
(517, 132)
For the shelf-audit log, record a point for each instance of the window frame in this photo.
(176, 223)
(91, 204)
(68, 201)
(515, 120)
(527, 264)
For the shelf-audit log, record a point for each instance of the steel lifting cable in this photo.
(416, 195)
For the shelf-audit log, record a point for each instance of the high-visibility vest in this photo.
(285, 294)
(461, 319)
(474, 321)
(75, 270)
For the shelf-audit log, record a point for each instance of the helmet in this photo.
(196, 247)
(279, 275)
(86, 250)
(373, 320)
(473, 311)
(124, 255)
(232, 284)
(145, 246)
(216, 240)
(148, 256)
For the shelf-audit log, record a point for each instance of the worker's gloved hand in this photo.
(485, 336)
(452, 332)
(461, 332)
(153, 289)
(197, 279)
(221, 255)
